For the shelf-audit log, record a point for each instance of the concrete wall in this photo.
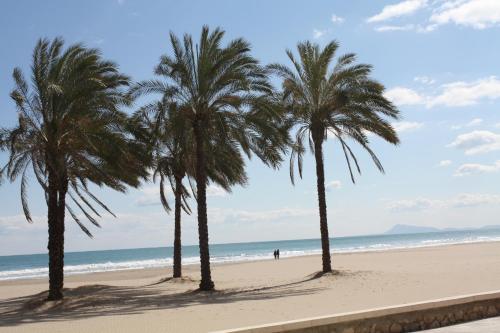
(405, 318)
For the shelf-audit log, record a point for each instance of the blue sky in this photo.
(437, 58)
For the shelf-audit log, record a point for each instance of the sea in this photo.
(35, 265)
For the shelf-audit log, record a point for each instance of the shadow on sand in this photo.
(103, 300)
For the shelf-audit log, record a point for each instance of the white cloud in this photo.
(404, 96)
(466, 93)
(318, 33)
(477, 142)
(478, 14)
(474, 168)
(472, 200)
(458, 201)
(334, 184)
(266, 215)
(150, 195)
(215, 191)
(18, 222)
(407, 27)
(337, 19)
(417, 204)
(473, 123)
(444, 163)
(396, 10)
(454, 94)
(406, 126)
(386, 28)
(426, 28)
(424, 79)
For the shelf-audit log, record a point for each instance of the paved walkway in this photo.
(491, 325)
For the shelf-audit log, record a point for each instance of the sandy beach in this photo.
(249, 293)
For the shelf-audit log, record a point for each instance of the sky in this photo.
(437, 58)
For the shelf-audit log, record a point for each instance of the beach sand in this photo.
(249, 293)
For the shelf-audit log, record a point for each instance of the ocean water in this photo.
(35, 265)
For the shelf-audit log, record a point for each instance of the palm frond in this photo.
(343, 100)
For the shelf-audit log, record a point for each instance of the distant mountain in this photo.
(490, 227)
(415, 229)
(410, 229)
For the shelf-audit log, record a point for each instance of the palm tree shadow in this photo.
(104, 300)
(184, 279)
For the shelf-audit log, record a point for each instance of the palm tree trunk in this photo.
(320, 175)
(201, 186)
(61, 210)
(177, 229)
(56, 239)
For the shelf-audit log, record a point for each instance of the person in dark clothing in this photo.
(275, 254)
(278, 253)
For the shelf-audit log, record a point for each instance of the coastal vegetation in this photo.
(343, 103)
(170, 141)
(71, 134)
(216, 109)
(170, 137)
(223, 93)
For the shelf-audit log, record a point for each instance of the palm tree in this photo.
(171, 137)
(71, 133)
(343, 101)
(223, 92)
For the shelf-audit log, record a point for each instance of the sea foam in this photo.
(34, 266)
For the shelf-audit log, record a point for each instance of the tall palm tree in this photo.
(343, 101)
(223, 91)
(71, 133)
(171, 136)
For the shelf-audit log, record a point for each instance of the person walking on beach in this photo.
(275, 254)
(278, 254)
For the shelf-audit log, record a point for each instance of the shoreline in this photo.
(229, 262)
(192, 268)
(234, 262)
(249, 293)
